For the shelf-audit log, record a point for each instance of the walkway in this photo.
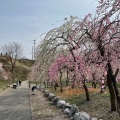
(14, 103)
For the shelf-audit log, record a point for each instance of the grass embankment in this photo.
(4, 83)
(98, 106)
(20, 72)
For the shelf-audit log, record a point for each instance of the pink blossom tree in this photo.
(103, 30)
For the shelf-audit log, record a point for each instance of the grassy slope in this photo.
(20, 71)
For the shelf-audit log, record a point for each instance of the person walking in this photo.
(20, 82)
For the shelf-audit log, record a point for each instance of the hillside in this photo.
(21, 70)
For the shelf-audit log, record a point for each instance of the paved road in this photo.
(14, 104)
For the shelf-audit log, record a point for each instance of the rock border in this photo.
(67, 108)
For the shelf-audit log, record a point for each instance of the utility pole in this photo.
(32, 52)
(34, 49)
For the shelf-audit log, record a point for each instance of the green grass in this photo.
(26, 62)
(3, 60)
(20, 73)
(4, 83)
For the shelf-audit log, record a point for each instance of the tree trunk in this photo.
(109, 81)
(94, 84)
(45, 84)
(111, 88)
(93, 81)
(61, 81)
(55, 87)
(86, 91)
(116, 90)
(67, 81)
(73, 82)
(12, 63)
(74, 77)
(12, 67)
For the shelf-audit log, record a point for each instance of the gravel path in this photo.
(42, 109)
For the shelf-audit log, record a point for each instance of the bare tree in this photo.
(14, 52)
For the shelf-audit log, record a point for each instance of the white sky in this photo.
(25, 20)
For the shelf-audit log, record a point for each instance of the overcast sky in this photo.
(25, 20)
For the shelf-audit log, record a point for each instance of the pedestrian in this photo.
(56, 85)
(33, 88)
(20, 82)
(14, 85)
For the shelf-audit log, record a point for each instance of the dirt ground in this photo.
(42, 108)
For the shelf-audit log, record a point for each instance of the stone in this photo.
(66, 111)
(46, 93)
(81, 116)
(94, 118)
(51, 96)
(55, 100)
(67, 105)
(61, 104)
(73, 110)
(44, 90)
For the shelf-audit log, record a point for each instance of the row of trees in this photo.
(86, 49)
